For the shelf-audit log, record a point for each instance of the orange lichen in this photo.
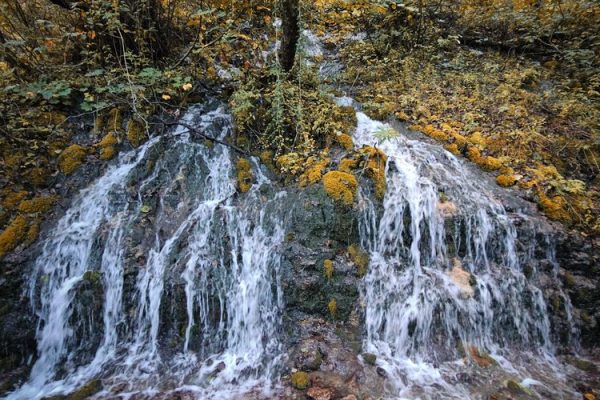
(360, 258)
(490, 163)
(480, 358)
(345, 141)
(506, 180)
(13, 234)
(71, 158)
(313, 172)
(474, 154)
(340, 186)
(37, 204)
(36, 176)
(477, 139)
(244, 174)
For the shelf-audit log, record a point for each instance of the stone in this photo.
(461, 278)
(317, 393)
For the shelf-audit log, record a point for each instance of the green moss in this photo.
(340, 186)
(244, 174)
(33, 232)
(86, 391)
(93, 277)
(13, 234)
(328, 268)
(300, 380)
(136, 132)
(369, 358)
(517, 389)
(583, 365)
(71, 158)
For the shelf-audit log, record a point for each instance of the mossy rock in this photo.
(583, 365)
(369, 358)
(13, 234)
(136, 132)
(244, 174)
(71, 158)
(300, 380)
(340, 186)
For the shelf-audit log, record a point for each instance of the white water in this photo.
(438, 214)
(223, 252)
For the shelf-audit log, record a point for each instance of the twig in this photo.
(205, 136)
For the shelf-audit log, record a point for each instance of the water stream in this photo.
(194, 237)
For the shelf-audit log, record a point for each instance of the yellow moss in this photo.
(52, 118)
(452, 148)
(474, 154)
(37, 205)
(13, 199)
(345, 141)
(314, 172)
(360, 258)
(375, 168)
(245, 177)
(348, 164)
(267, 158)
(13, 234)
(36, 176)
(435, 133)
(477, 138)
(340, 186)
(290, 163)
(553, 207)
(107, 146)
(459, 139)
(71, 158)
(136, 132)
(506, 180)
(328, 268)
(99, 123)
(300, 380)
(115, 120)
(33, 232)
(490, 163)
(332, 307)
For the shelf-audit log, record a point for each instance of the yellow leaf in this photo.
(187, 86)
(166, 97)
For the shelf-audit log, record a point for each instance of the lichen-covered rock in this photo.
(107, 146)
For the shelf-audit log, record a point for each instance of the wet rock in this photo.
(317, 393)
(461, 278)
(369, 358)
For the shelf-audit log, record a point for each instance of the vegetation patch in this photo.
(340, 186)
(245, 176)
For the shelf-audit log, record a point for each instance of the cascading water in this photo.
(161, 228)
(446, 276)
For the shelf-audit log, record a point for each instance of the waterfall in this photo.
(162, 227)
(447, 271)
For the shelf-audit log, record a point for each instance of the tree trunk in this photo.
(291, 33)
